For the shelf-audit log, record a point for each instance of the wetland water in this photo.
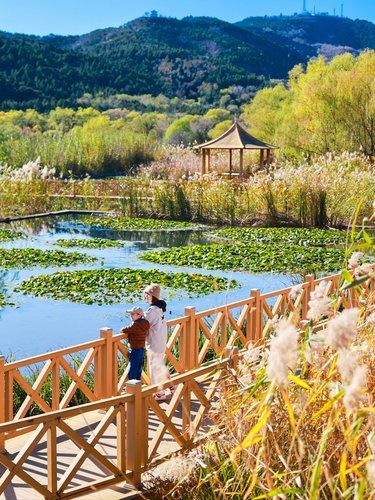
(37, 325)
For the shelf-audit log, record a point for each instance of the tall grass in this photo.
(82, 151)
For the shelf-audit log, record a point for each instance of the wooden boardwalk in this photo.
(85, 424)
(101, 448)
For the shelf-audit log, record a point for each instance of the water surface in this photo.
(38, 325)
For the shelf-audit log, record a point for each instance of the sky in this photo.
(42, 17)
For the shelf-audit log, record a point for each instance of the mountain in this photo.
(312, 35)
(187, 58)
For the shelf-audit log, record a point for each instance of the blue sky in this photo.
(42, 17)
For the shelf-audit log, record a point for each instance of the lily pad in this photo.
(279, 258)
(134, 223)
(108, 286)
(22, 258)
(4, 301)
(7, 235)
(289, 235)
(89, 243)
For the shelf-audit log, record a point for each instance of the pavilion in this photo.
(235, 138)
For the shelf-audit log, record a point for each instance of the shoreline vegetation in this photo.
(322, 193)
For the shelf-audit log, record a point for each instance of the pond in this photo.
(36, 325)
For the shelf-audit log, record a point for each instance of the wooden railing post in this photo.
(52, 459)
(134, 429)
(106, 381)
(309, 280)
(257, 314)
(189, 353)
(2, 400)
(190, 341)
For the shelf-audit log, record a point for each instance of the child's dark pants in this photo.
(136, 357)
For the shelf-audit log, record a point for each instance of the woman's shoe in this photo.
(159, 396)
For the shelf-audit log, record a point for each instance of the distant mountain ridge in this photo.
(157, 55)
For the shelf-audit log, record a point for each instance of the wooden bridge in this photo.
(68, 450)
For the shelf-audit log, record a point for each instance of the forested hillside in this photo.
(310, 34)
(192, 58)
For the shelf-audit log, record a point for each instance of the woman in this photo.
(157, 337)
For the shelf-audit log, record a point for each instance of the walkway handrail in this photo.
(138, 444)
(133, 425)
(194, 338)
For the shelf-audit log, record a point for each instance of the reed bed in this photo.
(318, 194)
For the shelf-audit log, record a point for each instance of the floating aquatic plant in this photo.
(290, 235)
(128, 223)
(108, 286)
(21, 258)
(7, 235)
(255, 258)
(89, 243)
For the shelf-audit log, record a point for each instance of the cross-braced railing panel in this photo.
(174, 354)
(51, 382)
(99, 369)
(226, 325)
(74, 451)
(180, 421)
(70, 452)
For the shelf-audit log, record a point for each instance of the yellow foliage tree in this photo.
(328, 107)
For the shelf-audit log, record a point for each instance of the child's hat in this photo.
(135, 310)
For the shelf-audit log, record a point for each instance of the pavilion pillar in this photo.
(203, 167)
(241, 165)
(230, 164)
(261, 158)
(208, 161)
(268, 157)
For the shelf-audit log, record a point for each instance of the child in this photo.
(157, 337)
(136, 334)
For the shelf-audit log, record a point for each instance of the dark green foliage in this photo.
(109, 286)
(280, 257)
(188, 58)
(20, 258)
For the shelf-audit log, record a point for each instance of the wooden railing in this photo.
(99, 369)
(121, 444)
(133, 433)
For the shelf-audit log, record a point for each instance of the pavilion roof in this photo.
(235, 137)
